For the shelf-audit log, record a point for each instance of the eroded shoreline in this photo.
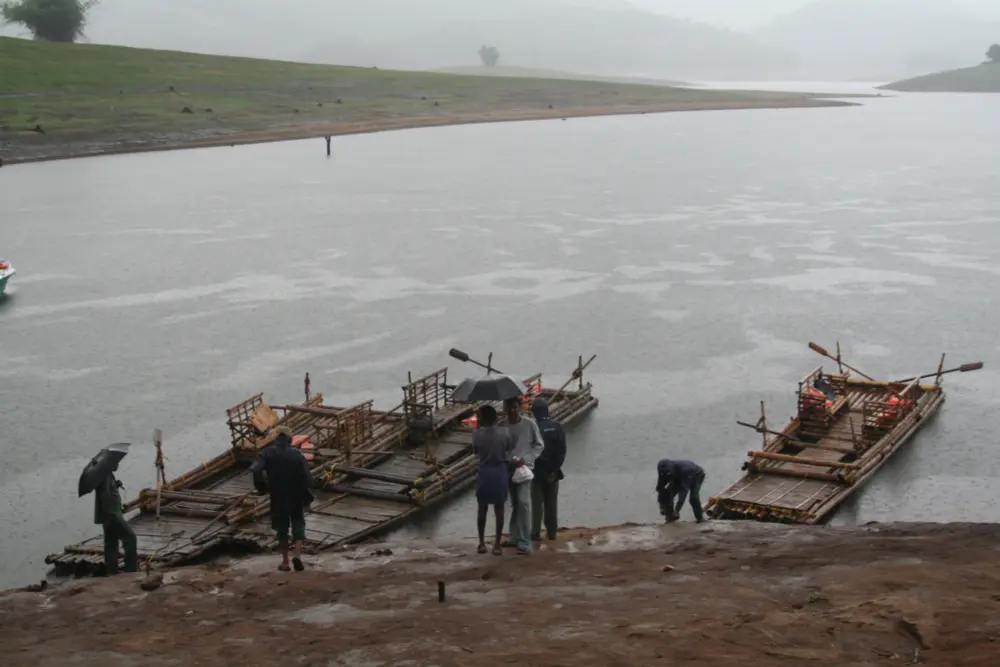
(717, 594)
(29, 147)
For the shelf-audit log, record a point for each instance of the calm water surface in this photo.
(695, 253)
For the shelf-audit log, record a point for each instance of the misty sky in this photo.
(750, 14)
(873, 40)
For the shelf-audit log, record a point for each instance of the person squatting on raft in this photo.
(679, 478)
(548, 472)
(526, 445)
(108, 514)
(288, 482)
(492, 445)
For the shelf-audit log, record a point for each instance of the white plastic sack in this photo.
(523, 474)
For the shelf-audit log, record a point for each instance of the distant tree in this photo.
(993, 53)
(489, 55)
(49, 20)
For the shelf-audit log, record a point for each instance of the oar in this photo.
(819, 349)
(964, 368)
(465, 358)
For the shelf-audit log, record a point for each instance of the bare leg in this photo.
(481, 523)
(298, 548)
(283, 547)
(498, 514)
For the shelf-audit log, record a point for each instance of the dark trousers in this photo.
(116, 530)
(544, 501)
(695, 498)
(666, 500)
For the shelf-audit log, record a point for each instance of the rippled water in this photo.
(695, 253)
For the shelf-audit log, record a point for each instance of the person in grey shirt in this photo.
(527, 444)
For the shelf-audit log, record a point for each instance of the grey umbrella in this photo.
(101, 466)
(489, 388)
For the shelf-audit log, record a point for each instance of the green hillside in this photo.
(980, 79)
(90, 99)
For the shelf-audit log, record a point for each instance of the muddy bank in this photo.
(717, 594)
(34, 147)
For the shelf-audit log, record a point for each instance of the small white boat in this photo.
(6, 273)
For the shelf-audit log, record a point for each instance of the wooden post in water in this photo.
(937, 380)
(328, 145)
(161, 475)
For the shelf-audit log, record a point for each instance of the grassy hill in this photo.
(91, 99)
(980, 79)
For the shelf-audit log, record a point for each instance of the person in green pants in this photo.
(108, 513)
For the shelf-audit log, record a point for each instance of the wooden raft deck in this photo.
(828, 450)
(359, 501)
(374, 472)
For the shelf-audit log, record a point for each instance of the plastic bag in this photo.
(522, 474)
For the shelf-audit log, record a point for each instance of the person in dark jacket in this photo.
(288, 482)
(679, 478)
(108, 514)
(548, 472)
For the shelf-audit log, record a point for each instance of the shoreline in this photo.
(82, 148)
(716, 594)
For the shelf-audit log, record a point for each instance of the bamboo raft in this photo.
(845, 429)
(373, 471)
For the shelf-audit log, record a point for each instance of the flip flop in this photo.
(481, 549)
(497, 551)
(284, 568)
(522, 552)
(297, 564)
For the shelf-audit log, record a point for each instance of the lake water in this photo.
(695, 253)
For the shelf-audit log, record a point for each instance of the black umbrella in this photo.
(489, 388)
(101, 466)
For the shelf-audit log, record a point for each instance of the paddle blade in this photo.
(818, 348)
(458, 354)
(974, 366)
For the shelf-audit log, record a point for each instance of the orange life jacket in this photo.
(301, 442)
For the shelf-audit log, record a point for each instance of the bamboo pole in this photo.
(794, 441)
(802, 460)
(369, 493)
(577, 374)
(161, 477)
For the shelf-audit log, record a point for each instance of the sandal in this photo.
(498, 550)
(284, 568)
(522, 552)
(481, 549)
(297, 564)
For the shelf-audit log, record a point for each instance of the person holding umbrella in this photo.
(525, 445)
(492, 446)
(99, 477)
